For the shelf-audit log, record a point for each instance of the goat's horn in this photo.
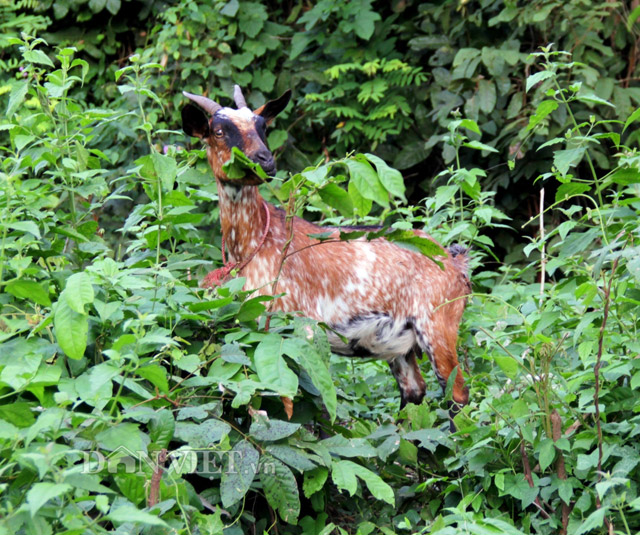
(239, 97)
(205, 103)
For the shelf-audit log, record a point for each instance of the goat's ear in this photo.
(272, 108)
(195, 122)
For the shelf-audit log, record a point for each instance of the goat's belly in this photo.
(374, 334)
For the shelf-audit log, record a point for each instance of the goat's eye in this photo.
(218, 132)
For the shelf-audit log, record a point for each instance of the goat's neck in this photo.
(242, 218)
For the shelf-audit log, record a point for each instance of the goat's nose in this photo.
(265, 159)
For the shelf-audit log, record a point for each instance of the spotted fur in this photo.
(388, 302)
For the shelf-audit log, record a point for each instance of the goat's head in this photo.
(224, 128)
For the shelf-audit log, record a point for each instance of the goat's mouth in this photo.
(246, 170)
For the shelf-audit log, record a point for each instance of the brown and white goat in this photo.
(387, 302)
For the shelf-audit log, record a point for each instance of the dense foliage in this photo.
(131, 401)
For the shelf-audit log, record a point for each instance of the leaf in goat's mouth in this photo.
(239, 166)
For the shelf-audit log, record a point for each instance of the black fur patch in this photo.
(232, 135)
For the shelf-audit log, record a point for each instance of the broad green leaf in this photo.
(337, 198)
(203, 434)
(473, 144)
(547, 453)
(124, 437)
(71, 329)
(564, 159)
(38, 56)
(272, 368)
(166, 169)
(41, 493)
(25, 226)
(391, 178)
(545, 108)
(78, 292)
(126, 514)
(239, 471)
(344, 475)
(16, 97)
(309, 358)
(269, 430)
(280, 488)
(487, 95)
(230, 8)
(470, 124)
(314, 480)
(361, 206)
(568, 189)
(367, 182)
(633, 117)
(156, 375)
(593, 521)
(161, 428)
(132, 485)
(26, 289)
(538, 77)
(291, 457)
(508, 365)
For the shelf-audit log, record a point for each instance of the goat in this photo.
(388, 302)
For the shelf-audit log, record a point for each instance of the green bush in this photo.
(114, 364)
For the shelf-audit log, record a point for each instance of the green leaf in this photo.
(41, 493)
(390, 178)
(479, 146)
(122, 436)
(272, 368)
(361, 206)
(230, 9)
(16, 97)
(470, 124)
(345, 471)
(162, 428)
(307, 356)
(156, 375)
(545, 108)
(487, 96)
(26, 289)
(593, 521)
(24, 226)
(568, 189)
(204, 434)
(78, 292)
(337, 198)
(538, 77)
(126, 514)
(71, 328)
(547, 453)
(113, 6)
(268, 430)
(564, 159)
(593, 99)
(625, 176)
(633, 117)
(314, 480)
(366, 180)
(508, 365)
(291, 457)
(280, 488)
(38, 56)
(166, 169)
(365, 24)
(239, 471)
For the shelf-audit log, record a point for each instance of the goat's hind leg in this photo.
(410, 381)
